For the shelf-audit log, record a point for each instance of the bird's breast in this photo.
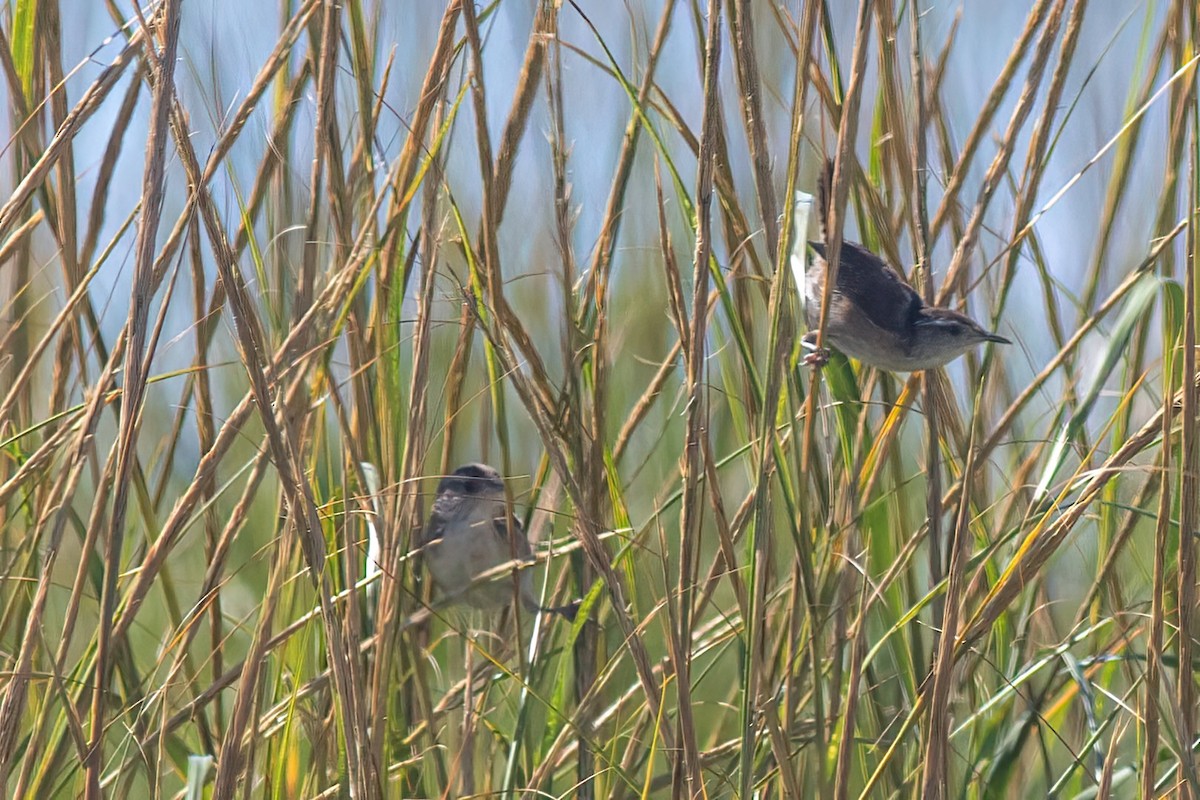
(469, 546)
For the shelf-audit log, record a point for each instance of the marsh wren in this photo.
(468, 535)
(874, 315)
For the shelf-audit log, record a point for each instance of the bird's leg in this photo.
(819, 356)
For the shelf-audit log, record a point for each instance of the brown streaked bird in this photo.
(874, 315)
(467, 536)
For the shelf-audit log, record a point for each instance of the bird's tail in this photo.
(567, 612)
(825, 197)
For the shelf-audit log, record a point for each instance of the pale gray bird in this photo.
(467, 536)
(874, 315)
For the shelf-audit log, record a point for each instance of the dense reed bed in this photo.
(246, 249)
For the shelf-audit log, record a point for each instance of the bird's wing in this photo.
(523, 550)
(433, 529)
(870, 283)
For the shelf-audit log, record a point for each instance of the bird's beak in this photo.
(995, 337)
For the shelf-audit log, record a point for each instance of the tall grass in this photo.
(246, 250)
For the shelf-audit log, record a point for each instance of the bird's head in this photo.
(478, 480)
(941, 335)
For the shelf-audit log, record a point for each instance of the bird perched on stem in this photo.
(874, 315)
(470, 534)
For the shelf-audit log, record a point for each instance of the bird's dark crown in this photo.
(472, 479)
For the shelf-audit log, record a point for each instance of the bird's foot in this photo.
(817, 359)
(819, 356)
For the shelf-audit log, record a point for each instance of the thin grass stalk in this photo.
(779, 345)
(1184, 70)
(1040, 142)
(1182, 88)
(1039, 545)
(1178, 89)
(17, 340)
(1046, 537)
(496, 184)
(741, 28)
(853, 683)
(433, 87)
(586, 530)
(273, 159)
(893, 148)
(1123, 159)
(602, 254)
(983, 122)
(687, 770)
(325, 59)
(1189, 491)
(576, 366)
(411, 155)
(456, 376)
(20, 89)
(17, 241)
(135, 368)
(1003, 427)
(737, 230)
(209, 323)
(363, 46)
(1089, 608)
(12, 705)
(801, 617)
(921, 243)
(1154, 633)
(209, 596)
(96, 215)
(324, 309)
(16, 692)
(492, 286)
(65, 231)
(991, 182)
(201, 700)
(1105, 785)
(73, 721)
(95, 94)
(78, 298)
(206, 435)
(598, 489)
(15, 696)
(416, 440)
(301, 508)
(838, 190)
(834, 215)
(937, 71)
(497, 179)
(238, 734)
(935, 766)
